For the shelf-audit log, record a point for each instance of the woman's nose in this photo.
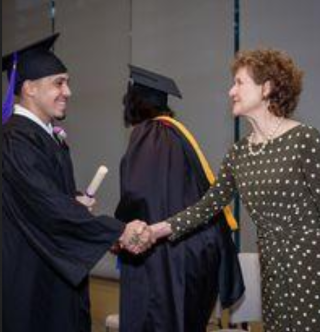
(232, 91)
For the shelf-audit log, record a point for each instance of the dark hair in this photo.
(279, 69)
(138, 109)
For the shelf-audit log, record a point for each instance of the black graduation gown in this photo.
(50, 241)
(173, 287)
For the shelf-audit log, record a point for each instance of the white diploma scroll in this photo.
(96, 181)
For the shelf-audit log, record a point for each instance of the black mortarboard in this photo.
(29, 63)
(34, 61)
(152, 86)
(155, 81)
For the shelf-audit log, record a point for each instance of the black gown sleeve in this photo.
(61, 230)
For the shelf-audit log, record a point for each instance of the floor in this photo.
(98, 326)
(105, 301)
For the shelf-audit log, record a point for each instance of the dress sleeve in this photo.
(310, 155)
(214, 200)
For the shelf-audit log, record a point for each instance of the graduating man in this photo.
(50, 239)
(173, 287)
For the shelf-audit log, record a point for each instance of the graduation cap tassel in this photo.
(7, 106)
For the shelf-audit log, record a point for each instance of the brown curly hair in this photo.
(277, 68)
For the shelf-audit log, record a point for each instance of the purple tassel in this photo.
(7, 105)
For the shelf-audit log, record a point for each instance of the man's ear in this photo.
(28, 88)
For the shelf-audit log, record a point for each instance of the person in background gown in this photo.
(173, 287)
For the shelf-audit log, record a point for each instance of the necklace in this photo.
(267, 139)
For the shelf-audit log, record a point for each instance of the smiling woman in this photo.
(244, 86)
(276, 172)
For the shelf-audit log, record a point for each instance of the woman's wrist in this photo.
(161, 229)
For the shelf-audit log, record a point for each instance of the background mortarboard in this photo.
(153, 88)
(154, 81)
(32, 62)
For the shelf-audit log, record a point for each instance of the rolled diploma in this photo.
(96, 181)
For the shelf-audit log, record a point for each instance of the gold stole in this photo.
(204, 163)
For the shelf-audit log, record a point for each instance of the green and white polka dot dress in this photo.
(281, 190)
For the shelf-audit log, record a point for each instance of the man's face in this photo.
(50, 97)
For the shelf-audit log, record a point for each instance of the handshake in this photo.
(138, 237)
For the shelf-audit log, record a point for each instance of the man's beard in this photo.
(61, 117)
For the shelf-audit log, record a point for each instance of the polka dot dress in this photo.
(281, 190)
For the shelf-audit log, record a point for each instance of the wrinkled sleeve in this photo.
(217, 197)
(61, 230)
